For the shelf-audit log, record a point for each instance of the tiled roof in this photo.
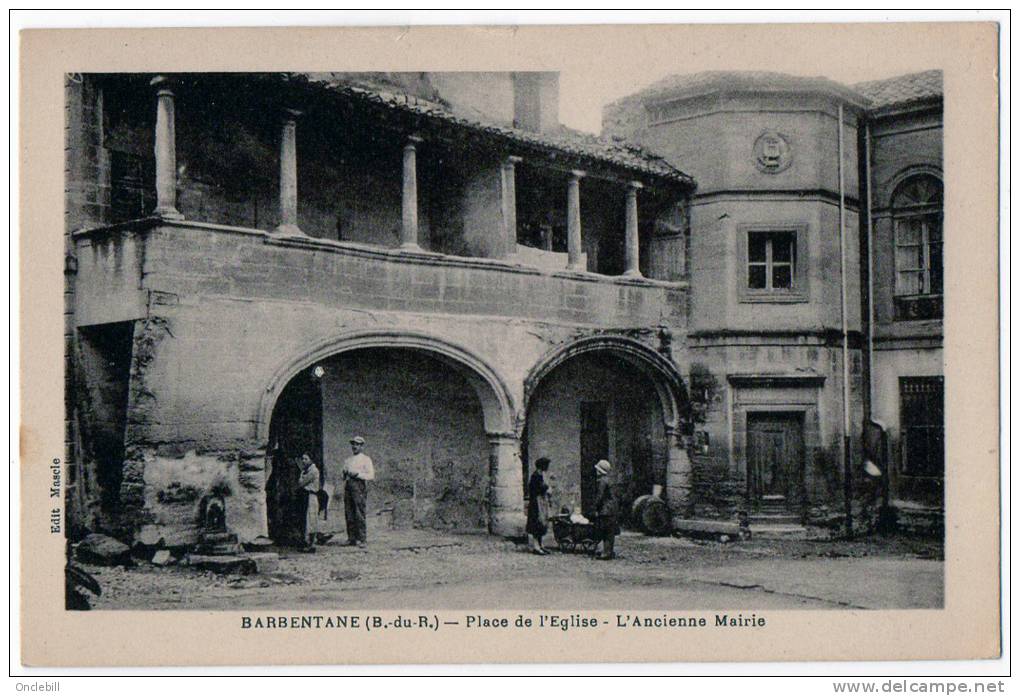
(742, 80)
(875, 94)
(903, 89)
(563, 140)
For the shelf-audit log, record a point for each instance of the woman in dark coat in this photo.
(607, 511)
(538, 507)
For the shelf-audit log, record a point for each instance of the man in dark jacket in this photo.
(607, 511)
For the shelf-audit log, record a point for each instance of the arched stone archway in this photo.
(667, 380)
(497, 404)
(499, 485)
(651, 374)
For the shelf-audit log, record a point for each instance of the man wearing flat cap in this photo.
(357, 471)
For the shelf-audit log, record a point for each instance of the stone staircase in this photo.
(217, 544)
(773, 519)
(221, 552)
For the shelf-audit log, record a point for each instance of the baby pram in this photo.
(574, 532)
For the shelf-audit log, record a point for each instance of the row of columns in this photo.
(575, 248)
(166, 189)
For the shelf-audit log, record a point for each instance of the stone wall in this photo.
(732, 378)
(86, 204)
(901, 145)
(262, 300)
(424, 426)
(489, 95)
(719, 297)
(228, 315)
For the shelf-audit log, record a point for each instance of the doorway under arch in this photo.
(597, 405)
(435, 427)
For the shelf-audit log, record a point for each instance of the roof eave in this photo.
(511, 140)
(906, 106)
(851, 98)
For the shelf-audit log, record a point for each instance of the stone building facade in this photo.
(261, 265)
(265, 265)
(906, 198)
(765, 354)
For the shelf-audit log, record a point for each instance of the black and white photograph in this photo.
(402, 339)
(650, 348)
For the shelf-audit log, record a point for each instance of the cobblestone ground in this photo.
(427, 569)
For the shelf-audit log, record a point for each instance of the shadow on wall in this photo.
(424, 429)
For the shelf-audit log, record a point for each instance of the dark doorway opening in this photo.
(296, 428)
(105, 361)
(594, 446)
(594, 406)
(922, 440)
(775, 461)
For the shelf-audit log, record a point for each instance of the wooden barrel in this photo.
(650, 514)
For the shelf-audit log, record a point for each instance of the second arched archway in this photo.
(608, 397)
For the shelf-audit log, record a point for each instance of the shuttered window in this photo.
(917, 223)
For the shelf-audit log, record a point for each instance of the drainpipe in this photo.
(847, 475)
(869, 228)
(871, 267)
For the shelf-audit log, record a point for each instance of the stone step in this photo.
(265, 562)
(771, 511)
(224, 549)
(778, 531)
(225, 565)
(217, 538)
(770, 518)
(713, 529)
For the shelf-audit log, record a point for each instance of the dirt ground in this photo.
(422, 568)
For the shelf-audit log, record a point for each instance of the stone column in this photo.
(506, 485)
(679, 479)
(165, 151)
(632, 267)
(409, 199)
(288, 174)
(574, 221)
(509, 184)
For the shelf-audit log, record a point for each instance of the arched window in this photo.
(917, 220)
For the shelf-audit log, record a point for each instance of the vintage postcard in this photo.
(509, 344)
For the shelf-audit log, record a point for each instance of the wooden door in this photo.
(594, 446)
(775, 459)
